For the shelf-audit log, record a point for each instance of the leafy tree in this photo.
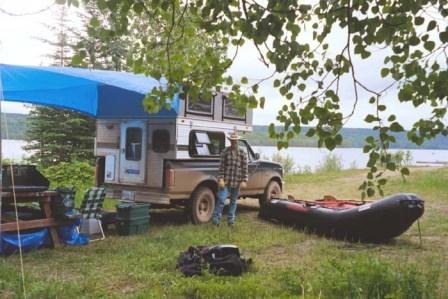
(96, 48)
(297, 40)
(57, 135)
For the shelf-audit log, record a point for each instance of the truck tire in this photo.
(202, 205)
(273, 189)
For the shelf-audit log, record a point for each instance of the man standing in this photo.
(232, 176)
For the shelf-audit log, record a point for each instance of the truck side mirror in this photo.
(257, 156)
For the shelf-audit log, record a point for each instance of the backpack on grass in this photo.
(218, 259)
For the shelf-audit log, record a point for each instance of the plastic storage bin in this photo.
(132, 227)
(129, 211)
(132, 218)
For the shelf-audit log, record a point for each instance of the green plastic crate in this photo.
(130, 211)
(135, 226)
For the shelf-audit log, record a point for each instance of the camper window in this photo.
(202, 137)
(161, 141)
(200, 106)
(230, 111)
(133, 144)
(204, 143)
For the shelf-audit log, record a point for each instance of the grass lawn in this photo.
(287, 263)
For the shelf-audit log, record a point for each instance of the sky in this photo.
(19, 45)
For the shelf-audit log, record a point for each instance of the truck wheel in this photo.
(202, 205)
(272, 190)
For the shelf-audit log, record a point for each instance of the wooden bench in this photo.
(44, 198)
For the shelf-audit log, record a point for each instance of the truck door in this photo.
(132, 152)
(255, 176)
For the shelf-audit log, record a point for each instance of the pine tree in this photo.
(57, 135)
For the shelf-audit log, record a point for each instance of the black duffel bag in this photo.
(218, 259)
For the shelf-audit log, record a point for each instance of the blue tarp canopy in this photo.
(101, 94)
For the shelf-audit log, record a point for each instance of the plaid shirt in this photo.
(233, 167)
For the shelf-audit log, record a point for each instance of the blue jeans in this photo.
(219, 205)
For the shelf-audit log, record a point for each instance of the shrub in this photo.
(402, 158)
(287, 162)
(71, 174)
(330, 163)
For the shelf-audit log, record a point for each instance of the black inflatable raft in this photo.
(376, 221)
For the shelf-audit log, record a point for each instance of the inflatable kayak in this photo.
(376, 221)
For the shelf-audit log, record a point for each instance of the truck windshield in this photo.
(244, 146)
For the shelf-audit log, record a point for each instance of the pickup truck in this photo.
(193, 182)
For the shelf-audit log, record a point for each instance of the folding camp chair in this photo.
(91, 208)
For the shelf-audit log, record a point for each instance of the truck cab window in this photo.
(243, 145)
(203, 143)
(133, 144)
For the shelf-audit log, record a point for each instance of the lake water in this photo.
(309, 157)
(304, 157)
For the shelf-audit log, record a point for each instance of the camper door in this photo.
(132, 152)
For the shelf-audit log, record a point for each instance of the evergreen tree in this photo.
(57, 135)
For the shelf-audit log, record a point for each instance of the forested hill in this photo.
(259, 136)
(16, 125)
(352, 138)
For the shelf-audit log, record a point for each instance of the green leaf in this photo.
(330, 143)
(396, 127)
(391, 166)
(244, 80)
(392, 117)
(262, 101)
(310, 132)
(370, 118)
(276, 83)
(443, 36)
(384, 72)
(429, 45)
(370, 139)
(414, 40)
(419, 21)
(431, 25)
